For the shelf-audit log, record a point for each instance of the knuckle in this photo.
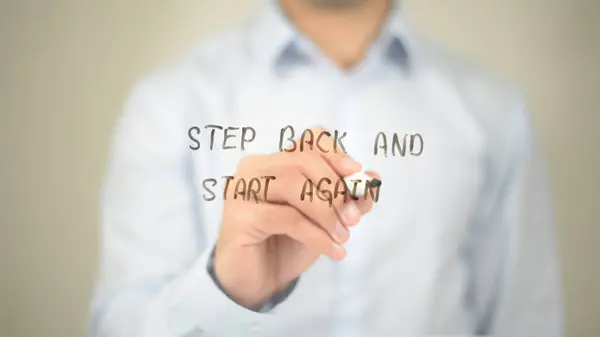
(305, 160)
(242, 216)
(290, 215)
(318, 128)
(287, 178)
(287, 162)
(287, 185)
(246, 162)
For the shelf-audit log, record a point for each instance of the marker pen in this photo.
(363, 178)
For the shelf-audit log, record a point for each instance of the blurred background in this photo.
(66, 67)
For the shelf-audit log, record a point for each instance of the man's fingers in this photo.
(318, 211)
(307, 182)
(325, 181)
(312, 235)
(339, 162)
(323, 142)
(331, 150)
(287, 220)
(365, 203)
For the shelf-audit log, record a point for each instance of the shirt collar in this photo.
(277, 42)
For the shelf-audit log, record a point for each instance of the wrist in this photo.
(234, 284)
(260, 301)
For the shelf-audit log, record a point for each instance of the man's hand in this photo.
(263, 246)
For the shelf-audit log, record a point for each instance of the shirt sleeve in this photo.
(267, 305)
(154, 280)
(515, 280)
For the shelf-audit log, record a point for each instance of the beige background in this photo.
(65, 67)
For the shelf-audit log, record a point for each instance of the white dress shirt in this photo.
(461, 240)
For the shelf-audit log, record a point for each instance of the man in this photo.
(457, 240)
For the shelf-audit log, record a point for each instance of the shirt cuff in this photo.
(200, 304)
(265, 307)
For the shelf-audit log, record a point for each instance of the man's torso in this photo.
(405, 269)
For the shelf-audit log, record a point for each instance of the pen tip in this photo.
(375, 182)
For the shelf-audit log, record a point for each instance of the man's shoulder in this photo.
(494, 101)
(495, 105)
(474, 81)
